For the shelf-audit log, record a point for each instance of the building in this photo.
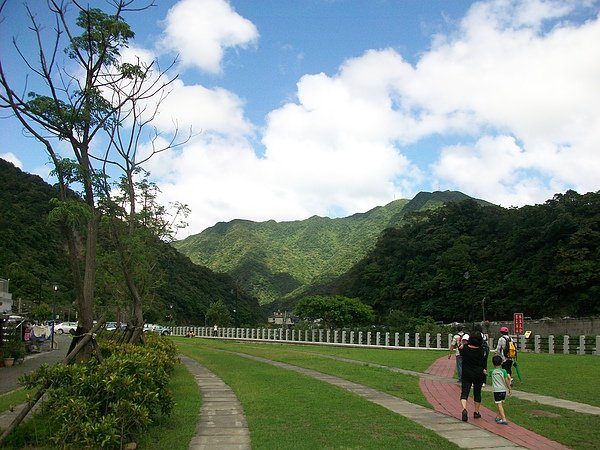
(6, 302)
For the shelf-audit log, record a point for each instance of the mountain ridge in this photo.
(274, 260)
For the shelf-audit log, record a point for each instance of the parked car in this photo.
(158, 329)
(65, 327)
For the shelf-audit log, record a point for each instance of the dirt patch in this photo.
(541, 413)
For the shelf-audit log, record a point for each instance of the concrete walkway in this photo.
(222, 424)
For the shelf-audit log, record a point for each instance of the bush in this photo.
(105, 405)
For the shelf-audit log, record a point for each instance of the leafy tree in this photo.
(218, 314)
(86, 103)
(41, 312)
(334, 312)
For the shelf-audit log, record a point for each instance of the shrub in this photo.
(105, 405)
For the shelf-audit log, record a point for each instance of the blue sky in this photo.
(332, 107)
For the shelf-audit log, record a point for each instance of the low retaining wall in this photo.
(580, 345)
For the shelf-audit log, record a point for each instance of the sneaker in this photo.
(503, 422)
(497, 419)
(465, 415)
(476, 415)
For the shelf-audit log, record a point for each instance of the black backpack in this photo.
(486, 347)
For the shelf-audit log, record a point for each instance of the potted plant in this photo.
(17, 350)
(12, 351)
(6, 355)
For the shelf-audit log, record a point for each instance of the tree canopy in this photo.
(334, 312)
(542, 260)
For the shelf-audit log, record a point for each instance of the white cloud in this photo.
(515, 89)
(12, 158)
(201, 30)
(509, 78)
(205, 110)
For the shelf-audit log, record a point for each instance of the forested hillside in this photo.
(276, 261)
(465, 260)
(32, 256)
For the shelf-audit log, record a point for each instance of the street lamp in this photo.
(55, 289)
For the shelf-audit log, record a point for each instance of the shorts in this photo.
(499, 397)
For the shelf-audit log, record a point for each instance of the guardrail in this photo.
(580, 345)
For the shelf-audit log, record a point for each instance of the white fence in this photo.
(580, 345)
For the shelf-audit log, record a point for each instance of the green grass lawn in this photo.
(287, 410)
(12, 399)
(176, 431)
(544, 374)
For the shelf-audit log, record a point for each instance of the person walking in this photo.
(500, 385)
(473, 373)
(455, 345)
(506, 349)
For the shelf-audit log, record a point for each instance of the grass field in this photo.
(286, 410)
(545, 374)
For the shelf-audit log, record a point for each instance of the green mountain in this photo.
(467, 262)
(32, 256)
(280, 260)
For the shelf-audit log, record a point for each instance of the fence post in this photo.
(352, 337)
(368, 338)
(536, 343)
(597, 345)
(377, 338)
(582, 345)
(566, 345)
(360, 338)
(427, 340)
(406, 340)
(387, 339)
(417, 340)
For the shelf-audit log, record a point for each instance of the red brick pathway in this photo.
(445, 398)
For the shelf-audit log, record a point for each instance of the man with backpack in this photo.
(507, 350)
(455, 345)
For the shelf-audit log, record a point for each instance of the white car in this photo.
(65, 327)
(157, 329)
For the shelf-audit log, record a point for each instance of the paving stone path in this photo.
(222, 424)
(444, 397)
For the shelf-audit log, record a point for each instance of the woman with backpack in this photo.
(474, 373)
(507, 350)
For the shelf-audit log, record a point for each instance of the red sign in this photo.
(518, 318)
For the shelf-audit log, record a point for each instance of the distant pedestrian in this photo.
(473, 373)
(455, 345)
(500, 385)
(215, 330)
(506, 349)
